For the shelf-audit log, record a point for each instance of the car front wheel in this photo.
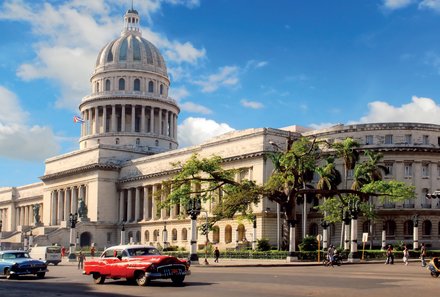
(178, 280)
(41, 274)
(141, 278)
(8, 274)
(98, 278)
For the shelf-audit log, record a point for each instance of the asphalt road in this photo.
(347, 280)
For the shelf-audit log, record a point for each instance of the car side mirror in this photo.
(119, 257)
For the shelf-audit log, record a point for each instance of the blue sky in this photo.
(233, 64)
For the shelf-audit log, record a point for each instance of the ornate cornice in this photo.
(86, 168)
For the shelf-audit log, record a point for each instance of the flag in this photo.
(77, 119)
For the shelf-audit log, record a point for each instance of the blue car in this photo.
(15, 263)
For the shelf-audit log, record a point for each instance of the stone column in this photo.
(160, 122)
(175, 126)
(113, 118)
(59, 208)
(129, 205)
(137, 209)
(96, 120)
(142, 119)
(121, 206)
(123, 118)
(152, 120)
(53, 216)
(25, 216)
(68, 194)
(133, 118)
(75, 199)
(147, 204)
(167, 131)
(154, 208)
(104, 119)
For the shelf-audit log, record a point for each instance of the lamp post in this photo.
(254, 237)
(346, 219)
(31, 240)
(205, 231)
(1, 225)
(354, 212)
(165, 235)
(25, 241)
(324, 226)
(122, 234)
(73, 219)
(193, 208)
(384, 237)
(415, 220)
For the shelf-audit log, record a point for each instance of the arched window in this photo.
(138, 141)
(228, 234)
(408, 228)
(241, 233)
(107, 85)
(121, 84)
(366, 227)
(426, 228)
(147, 236)
(97, 87)
(215, 234)
(390, 228)
(155, 235)
(137, 85)
(161, 89)
(138, 236)
(117, 141)
(130, 237)
(123, 50)
(174, 235)
(150, 87)
(313, 229)
(184, 234)
(157, 142)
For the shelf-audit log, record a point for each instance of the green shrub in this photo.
(308, 244)
(263, 245)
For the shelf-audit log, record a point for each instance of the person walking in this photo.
(390, 255)
(423, 254)
(405, 255)
(92, 251)
(216, 254)
(81, 258)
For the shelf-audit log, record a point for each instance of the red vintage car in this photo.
(136, 263)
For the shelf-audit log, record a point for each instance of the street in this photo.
(347, 280)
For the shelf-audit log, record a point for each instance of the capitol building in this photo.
(128, 143)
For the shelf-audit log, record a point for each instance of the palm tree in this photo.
(329, 176)
(347, 150)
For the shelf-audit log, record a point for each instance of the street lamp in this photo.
(31, 239)
(354, 210)
(324, 225)
(165, 235)
(123, 234)
(73, 219)
(193, 208)
(346, 219)
(205, 231)
(254, 237)
(415, 220)
(25, 241)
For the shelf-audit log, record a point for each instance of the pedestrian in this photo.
(216, 254)
(405, 255)
(331, 254)
(92, 251)
(81, 258)
(63, 251)
(390, 256)
(423, 254)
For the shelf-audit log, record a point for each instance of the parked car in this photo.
(15, 263)
(136, 263)
(48, 254)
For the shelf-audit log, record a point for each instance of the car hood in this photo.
(157, 259)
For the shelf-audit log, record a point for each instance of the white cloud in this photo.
(430, 4)
(197, 130)
(19, 140)
(194, 107)
(421, 110)
(255, 64)
(179, 93)
(70, 35)
(226, 77)
(251, 104)
(396, 4)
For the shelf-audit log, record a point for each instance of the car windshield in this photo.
(145, 251)
(16, 255)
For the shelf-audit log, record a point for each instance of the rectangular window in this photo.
(425, 139)
(425, 170)
(369, 139)
(350, 173)
(408, 139)
(389, 167)
(408, 170)
(389, 139)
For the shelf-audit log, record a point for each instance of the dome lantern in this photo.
(131, 22)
